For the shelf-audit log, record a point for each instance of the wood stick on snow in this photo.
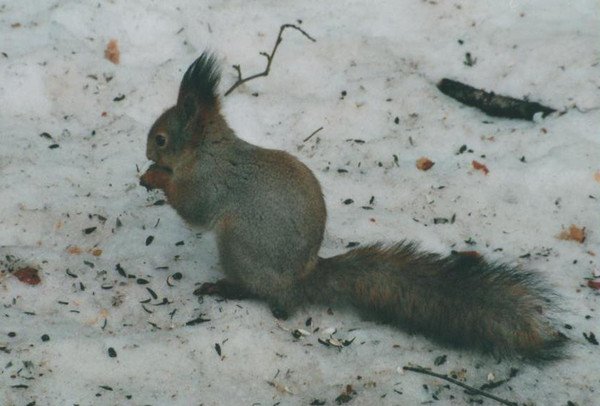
(422, 370)
(269, 57)
(490, 103)
(312, 134)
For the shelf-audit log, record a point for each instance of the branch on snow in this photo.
(490, 103)
(470, 389)
(269, 57)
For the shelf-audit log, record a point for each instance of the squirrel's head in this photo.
(187, 124)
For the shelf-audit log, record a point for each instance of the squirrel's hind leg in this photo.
(269, 268)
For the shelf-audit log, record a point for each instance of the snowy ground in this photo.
(386, 57)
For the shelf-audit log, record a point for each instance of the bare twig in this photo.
(269, 57)
(471, 389)
(490, 103)
(313, 133)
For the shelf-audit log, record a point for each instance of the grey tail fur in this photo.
(460, 299)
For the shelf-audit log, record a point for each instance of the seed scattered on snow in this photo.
(574, 233)
(298, 333)
(480, 167)
(345, 396)
(120, 270)
(152, 293)
(591, 338)
(175, 277)
(335, 342)
(165, 301)
(154, 325)
(594, 284)
(27, 275)
(440, 360)
(348, 342)
(424, 164)
(329, 331)
(198, 320)
(112, 52)
(281, 388)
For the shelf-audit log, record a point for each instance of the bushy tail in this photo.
(460, 299)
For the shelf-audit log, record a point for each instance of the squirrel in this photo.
(268, 213)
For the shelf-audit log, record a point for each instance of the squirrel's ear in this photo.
(199, 84)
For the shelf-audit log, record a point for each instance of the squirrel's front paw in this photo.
(155, 178)
(207, 288)
(223, 288)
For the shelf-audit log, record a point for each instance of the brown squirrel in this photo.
(268, 213)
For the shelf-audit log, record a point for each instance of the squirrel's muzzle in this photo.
(156, 177)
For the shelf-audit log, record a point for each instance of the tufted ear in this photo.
(198, 89)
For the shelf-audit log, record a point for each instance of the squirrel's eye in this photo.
(161, 140)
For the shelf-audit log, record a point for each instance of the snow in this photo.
(387, 58)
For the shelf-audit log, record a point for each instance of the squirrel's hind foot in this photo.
(279, 313)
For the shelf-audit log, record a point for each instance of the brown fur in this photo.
(268, 212)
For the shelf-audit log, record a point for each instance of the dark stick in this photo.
(313, 133)
(422, 370)
(490, 103)
(269, 57)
